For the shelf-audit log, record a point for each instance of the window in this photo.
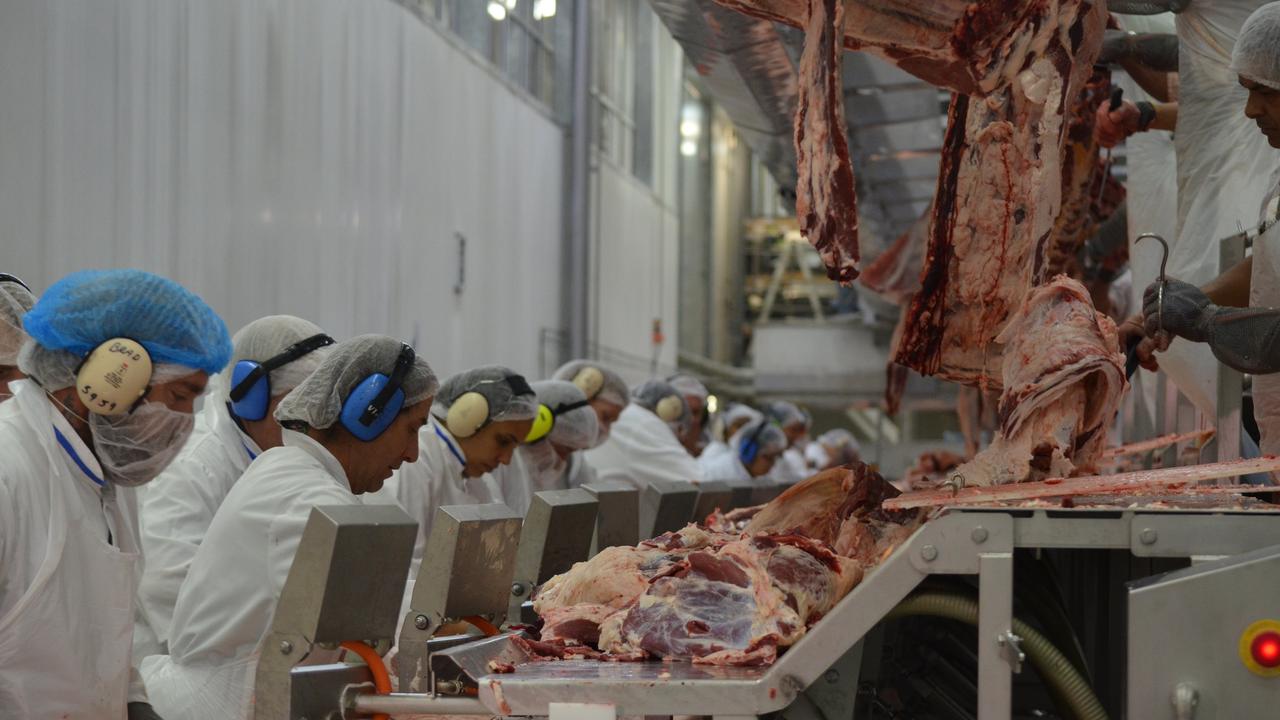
(623, 38)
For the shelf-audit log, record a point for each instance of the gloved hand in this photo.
(142, 711)
(1111, 127)
(1187, 310)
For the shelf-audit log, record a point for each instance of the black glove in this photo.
(1186, 310)
(142, 711)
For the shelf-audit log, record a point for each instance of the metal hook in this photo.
(1164, 259)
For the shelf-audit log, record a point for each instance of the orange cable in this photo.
(381, 679)
(484, 626)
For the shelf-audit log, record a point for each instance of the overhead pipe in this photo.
(577, 245)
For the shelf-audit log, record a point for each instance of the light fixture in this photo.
(713, 403)
(543, 9)
(688, 148)
(497, 10)
(690, 128)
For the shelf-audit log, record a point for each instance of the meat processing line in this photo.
(1200, 642)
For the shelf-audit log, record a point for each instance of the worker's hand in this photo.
(1185, 309)
(1130, 331)
(1113, 126)
(142, 711)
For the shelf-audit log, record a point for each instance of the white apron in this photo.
(1264, 291)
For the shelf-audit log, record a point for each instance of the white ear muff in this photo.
(670, 408)
(114, 377)
(590, 381)
(467, 415)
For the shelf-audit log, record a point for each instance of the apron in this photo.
(65, 647)
(1264, 291)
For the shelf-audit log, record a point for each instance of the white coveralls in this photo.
(179, 505)
(726, 466)
(69, 554)
(641, 449)
(791, 467)
(225, 607)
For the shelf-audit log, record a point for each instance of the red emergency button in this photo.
(1260, 648)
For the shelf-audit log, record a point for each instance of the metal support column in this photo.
(577, 245)
(999, 651)
(1226, 443)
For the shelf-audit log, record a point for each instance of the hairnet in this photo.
(269, 336)
(84, 309)
(614, 389)
(574, 428)
(786, 414)
(15, 301)
(317, 401)
(651, 392)
(839, 438)
(689, 386)
(1256, 55)
(771, 440)
(741, 411)
(491, 382)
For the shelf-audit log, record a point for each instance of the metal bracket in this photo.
(1012, 644)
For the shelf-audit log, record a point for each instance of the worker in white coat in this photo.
(832, 448)
(115, 361)
(731, 421)
(645, 443)
(270, 357)
(696, 396)
(754, 450)
(792, 467)
(479, 419)
(607, 394)
(565, 426)
(347, 427)
(15, 300)
(1238, 313)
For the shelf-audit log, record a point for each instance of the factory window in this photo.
(623, 88)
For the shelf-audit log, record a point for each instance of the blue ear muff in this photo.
(256, 395)
(373, 404)
(750, 448)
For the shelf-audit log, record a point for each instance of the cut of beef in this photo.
(895, 273)
(826, 201)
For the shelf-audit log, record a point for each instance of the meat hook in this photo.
(1164, 260)
(956, 483)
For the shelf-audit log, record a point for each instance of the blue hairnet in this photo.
(87, 308)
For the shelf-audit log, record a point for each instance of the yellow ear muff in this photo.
(467, 415)
(543, 424)
(670, 408)
(114, 377)
(590, 381)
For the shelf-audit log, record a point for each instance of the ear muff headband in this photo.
(6, 277)
(375, 402)
(546, 420)
(114, 377)
(750, 448)
(590, 381)
(670, 408)
(470, 412)
(251, 381)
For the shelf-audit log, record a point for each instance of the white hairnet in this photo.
(1256, 55)
(317, 400)
(269, 336)
(839, 438)
(491, 382)
(614, 389)
(15, 301)
(741, 411)
(689, 386)
(574, 428)
(770, 438)
(652, 392)
(786, 414)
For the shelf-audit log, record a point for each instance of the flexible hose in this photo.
(484, 626)
(381, 679)
(1147, 7)
(1052, 665)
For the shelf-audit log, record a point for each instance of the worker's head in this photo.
(270, 357)
(365, 403)
(659, 398)
(1256, 60)
(841, 446)
(793, 421)
(124, 354)
(566, 423)
(15, 300)
(759, 445)
(695, 396)
(605, 390)
(738, 415)
(489, 412)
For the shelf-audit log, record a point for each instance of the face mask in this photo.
(133, 449)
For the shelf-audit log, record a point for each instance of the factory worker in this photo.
(565, 426)
(754, 450)
(732, 420)
(832, 449)
(479, 419)
(695, 396)
(607, 393)
(792, 468)
(115, 360)
(645, 443)
(347, 427)
(270, 357)
(15, 300)
(1238, 313)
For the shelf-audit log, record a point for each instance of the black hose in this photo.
(1147, 7)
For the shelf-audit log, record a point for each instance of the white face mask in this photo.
(133, 449)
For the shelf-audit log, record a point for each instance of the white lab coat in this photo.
(728, 467)
(435, 479)
(178, 507)
(580, 472)
(791, 468)
(816, 457)
(225, 607)
(714, 449)
(641, 449)
(67, 595)
(1264, 291)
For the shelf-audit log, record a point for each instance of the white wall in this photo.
(313, 157)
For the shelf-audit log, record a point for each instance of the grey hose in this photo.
(1147, 7)
(1052, 665)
